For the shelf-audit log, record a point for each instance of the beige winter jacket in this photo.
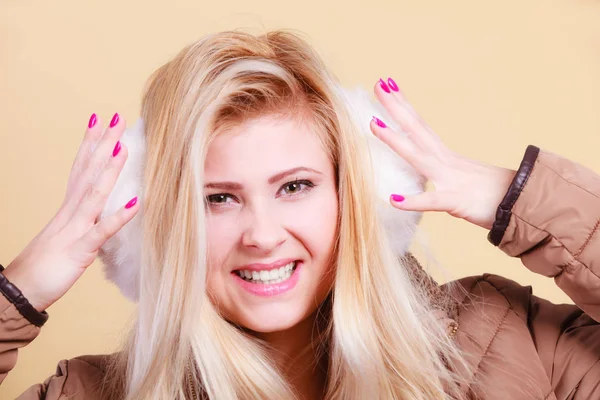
(520, 346)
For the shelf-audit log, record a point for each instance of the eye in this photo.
(295, 187)
(219, 198)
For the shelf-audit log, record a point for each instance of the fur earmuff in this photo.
(121, 254)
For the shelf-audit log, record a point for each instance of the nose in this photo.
(263, 230)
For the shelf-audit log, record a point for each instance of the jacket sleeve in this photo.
(550, 219)
(17, 331)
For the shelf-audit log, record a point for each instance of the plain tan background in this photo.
(489, 77)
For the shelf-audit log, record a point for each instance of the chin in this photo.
(272, 318)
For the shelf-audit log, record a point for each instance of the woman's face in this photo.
(272, 221)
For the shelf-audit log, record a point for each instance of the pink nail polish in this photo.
(93, 120)
(117, 148)
(393, 85)
(114, 120)
(379, 122)
(131, 202)
(384, 86)
(397, 198)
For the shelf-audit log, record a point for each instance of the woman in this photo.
(269, 270)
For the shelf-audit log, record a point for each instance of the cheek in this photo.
(319, 226)
(315, 222)
(222, 235)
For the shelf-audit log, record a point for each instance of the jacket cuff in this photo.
(15, 296)
(504, 211)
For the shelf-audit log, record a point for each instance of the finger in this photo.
(426, 201)
(108, 227)
(95, 199)
(400, 144)
(92, 136)
(101, 154)
(401, 111)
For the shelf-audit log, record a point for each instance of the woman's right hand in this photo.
(53, 261)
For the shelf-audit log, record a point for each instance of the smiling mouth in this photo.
(268, 277)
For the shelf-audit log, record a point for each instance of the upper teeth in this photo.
(268, 276)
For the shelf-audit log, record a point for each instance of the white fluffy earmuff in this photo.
(121, 254)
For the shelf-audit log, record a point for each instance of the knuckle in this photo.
(102, 231)
(87, 179)
(111, 225)
(96, 195)
(435, 202)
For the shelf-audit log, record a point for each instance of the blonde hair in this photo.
(381, 336)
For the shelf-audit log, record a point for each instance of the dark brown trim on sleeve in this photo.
(504, 211)
(14, 295)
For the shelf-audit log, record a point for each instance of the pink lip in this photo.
(260, 267)
(275, 289)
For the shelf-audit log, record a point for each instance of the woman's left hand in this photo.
(465, 188)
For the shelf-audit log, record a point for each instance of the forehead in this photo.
(264, 145)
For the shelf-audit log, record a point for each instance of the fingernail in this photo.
(131, 202)
(397, 198)
(93, 120)
(379, 122)
(383, 85)
(117, 148)
(393, 85)
(114, 120)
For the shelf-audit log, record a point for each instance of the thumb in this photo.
(426, 201)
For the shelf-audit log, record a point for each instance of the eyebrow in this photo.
(273, 179)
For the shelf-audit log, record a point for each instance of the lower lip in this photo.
(270, 290)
